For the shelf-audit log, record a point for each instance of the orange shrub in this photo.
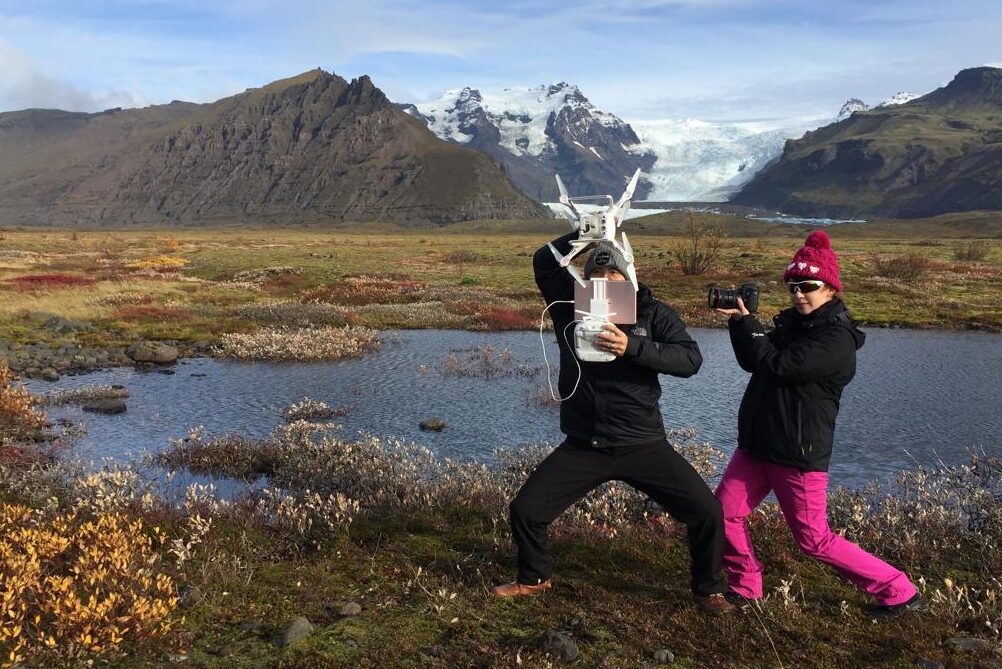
(18, 416)
(72, 588)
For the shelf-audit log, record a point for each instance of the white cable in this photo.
(542, 342)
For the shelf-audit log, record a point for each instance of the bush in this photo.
(43, 281)
(307, 344)
(908, 267)
(312, 410)
(975, 251)
(506, 319)
(149, 312)
(169, 244)
(74, 587)
(364, 289)
(18, 417)
(161, 263)
(486, 363)
(700, 246)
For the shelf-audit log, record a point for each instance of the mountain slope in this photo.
(310, 148)
(938, 153)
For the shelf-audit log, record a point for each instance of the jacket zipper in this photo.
(800, 430)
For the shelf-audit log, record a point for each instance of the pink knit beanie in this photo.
(815, 260)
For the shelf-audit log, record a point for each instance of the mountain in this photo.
(899, 98)
(938, 153)
(539, 132)
(855, 104)
(554, 129)
(311, 148)
(851, 106)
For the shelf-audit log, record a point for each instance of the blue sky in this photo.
(640, 59)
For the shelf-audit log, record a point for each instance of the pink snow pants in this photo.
(802, 497)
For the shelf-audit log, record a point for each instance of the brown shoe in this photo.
(517, 589)
(713, 604)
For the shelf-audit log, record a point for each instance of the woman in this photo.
(786, 426)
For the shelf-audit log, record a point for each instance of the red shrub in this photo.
(365, 289)
(44, 281)
(506, 319)
(142, 312)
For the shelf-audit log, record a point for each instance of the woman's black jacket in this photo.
(799, 369)
(616, 403)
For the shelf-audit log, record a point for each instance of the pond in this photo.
(917, 397)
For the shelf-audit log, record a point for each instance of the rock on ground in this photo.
(560, 645)
(105, 406)
(435, 424)
(152, 351)
(299, 628)
(350, 609)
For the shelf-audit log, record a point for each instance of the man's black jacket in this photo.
(616, 403)
(799, 369)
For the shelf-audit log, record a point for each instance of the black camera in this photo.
(727, 298)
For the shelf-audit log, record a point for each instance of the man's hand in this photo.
(740, 312)
(612, 340)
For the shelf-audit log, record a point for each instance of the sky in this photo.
(717, 60)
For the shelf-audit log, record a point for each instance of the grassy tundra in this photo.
(197, 285)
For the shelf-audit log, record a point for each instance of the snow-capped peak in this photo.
(520, 115)
(899, 98)
(851, 106)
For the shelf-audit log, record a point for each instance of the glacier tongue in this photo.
(708, 162)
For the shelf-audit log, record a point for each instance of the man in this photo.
(615, 431)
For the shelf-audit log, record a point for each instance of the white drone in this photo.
(597, 226)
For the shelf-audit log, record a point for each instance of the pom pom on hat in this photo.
(815, 260)
(818, 239)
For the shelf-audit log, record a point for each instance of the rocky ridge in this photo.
(935, 154)
(309, 149)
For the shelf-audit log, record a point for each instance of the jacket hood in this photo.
(832, 312)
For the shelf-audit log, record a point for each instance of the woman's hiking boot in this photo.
(715, 604)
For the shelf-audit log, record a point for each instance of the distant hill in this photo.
(934, 154)
(308, 149)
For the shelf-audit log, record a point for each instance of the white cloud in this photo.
(23, 85)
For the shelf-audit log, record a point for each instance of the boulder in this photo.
(350, 609)
(435, 424)
(59, 325)
(152, 351)
(105, 406)
(972, 645)
(49, 374)
(299, 628)
(664, 656)
(560, 645)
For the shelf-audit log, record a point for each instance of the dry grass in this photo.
(459, 277)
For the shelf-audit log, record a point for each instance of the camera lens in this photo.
(722, 298)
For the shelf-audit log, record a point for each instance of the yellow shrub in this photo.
(169, 244)
(18, 417)
(161, 263)
(71, 587)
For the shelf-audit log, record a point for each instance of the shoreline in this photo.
(50, 362)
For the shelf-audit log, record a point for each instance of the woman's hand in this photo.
(612, 339)
(740, 312)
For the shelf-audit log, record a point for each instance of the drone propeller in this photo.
(565, 200)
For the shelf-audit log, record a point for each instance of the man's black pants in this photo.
(576, 468)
